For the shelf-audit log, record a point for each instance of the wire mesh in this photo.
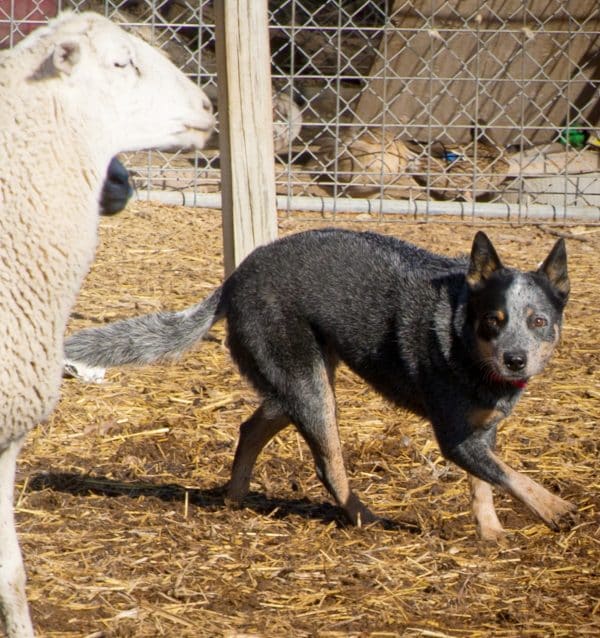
(378, 105)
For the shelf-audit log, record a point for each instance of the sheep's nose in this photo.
(515, 361)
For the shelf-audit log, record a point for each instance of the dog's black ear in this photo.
(554, 268)
(484, 260)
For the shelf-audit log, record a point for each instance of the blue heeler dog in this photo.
(455, 340)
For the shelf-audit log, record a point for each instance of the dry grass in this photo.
(124, 534)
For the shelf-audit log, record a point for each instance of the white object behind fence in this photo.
(469, 89)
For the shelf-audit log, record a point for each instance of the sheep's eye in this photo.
(124, 65)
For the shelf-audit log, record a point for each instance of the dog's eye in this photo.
(493, 320)
(539, 322)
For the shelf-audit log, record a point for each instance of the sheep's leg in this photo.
(13, 602)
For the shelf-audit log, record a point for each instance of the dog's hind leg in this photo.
(255, 433)
(327, 453)
(321, 434)
(315, 418)
(295, 376)
(482, 502)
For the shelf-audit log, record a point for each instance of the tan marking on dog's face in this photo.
(484, 418)
(485, 348)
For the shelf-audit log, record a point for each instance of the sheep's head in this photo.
(135, 96)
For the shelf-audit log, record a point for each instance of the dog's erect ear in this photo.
(554, 268)
(484, 260)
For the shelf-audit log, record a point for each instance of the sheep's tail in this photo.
(144, 339)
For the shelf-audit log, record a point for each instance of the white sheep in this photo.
(72, 95)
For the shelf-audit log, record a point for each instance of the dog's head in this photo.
(516, 316)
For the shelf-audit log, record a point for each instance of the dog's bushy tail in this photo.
(144, 339)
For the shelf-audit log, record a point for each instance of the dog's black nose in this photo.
(515, 361)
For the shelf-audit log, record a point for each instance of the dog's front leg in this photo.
(474, 455)
(553, 510)
(489, 527)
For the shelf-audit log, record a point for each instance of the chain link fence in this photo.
(382, 106)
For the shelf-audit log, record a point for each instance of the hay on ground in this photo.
(125, 533)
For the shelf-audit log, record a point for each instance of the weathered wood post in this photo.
(245, 127)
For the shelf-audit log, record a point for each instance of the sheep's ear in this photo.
(554, 268)
(484, 260)
(66, 56)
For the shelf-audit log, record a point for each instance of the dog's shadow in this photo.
(209, 499)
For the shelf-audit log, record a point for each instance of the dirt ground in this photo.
(125, 533)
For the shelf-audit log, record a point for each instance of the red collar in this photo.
(517, 383)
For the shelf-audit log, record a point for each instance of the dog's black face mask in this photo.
(516, 316)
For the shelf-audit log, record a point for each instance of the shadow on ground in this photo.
(209, 499)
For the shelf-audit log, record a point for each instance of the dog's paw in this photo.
(366, 517)
(359, 514)
(233, 495)
(233, 504)
(559, 515)
(491, 533)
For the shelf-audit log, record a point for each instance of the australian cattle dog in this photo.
(455, 340)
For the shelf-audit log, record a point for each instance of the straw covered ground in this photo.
(125, 534)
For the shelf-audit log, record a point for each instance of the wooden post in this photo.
(245, 127)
